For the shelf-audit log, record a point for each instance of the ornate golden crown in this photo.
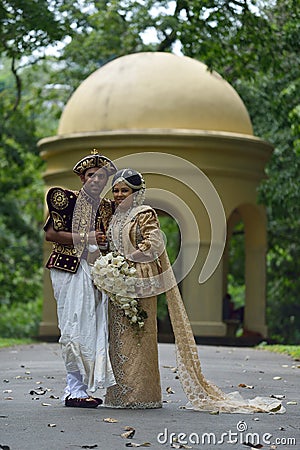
(95, 159)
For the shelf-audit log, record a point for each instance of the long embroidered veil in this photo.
(202, 394)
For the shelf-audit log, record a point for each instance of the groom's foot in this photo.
(98, 400)
(88, 402)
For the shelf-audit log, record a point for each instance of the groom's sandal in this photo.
(88, 402)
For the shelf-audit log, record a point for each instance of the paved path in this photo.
(31, 421)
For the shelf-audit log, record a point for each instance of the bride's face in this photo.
(122, 194)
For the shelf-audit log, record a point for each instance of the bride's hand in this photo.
(97, 238)
(138, 256)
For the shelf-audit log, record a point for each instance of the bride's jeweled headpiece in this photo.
(135, 181)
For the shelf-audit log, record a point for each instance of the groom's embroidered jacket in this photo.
(78, 212)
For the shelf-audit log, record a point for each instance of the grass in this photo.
(10, 342)
(292, 350)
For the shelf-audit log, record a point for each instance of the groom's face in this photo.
(94, 180)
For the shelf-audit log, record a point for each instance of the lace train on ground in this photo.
(202, 394)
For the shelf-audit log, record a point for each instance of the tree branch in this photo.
(18, 85)
(171, 37)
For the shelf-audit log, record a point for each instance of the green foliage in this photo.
(170, 229)
(11, 342)
(20, 320)
(21, 202)
(292, 350)
(29, 25)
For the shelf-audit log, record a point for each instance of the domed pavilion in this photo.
(188, 131)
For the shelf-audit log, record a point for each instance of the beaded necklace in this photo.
(115, 230)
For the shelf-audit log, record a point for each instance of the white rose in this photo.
(125, 306)
(121, 299)
(115, 272)
(107, 283)
(118, 283)
(117, 260)
(101, 262)
(102, 272)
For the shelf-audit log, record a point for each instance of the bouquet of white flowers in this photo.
(113, 274)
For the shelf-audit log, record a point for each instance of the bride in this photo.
(134, 233)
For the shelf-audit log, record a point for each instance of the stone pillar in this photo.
(255, 269)
(204, 301)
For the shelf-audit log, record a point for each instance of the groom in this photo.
(77, 225)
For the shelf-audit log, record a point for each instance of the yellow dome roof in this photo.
(154, 91)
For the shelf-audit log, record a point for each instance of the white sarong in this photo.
(82, 320)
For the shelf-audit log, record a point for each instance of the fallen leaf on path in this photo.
(169, 390)
(38, 392)
(246, 386)
(174, 445)
(277, 408)
(110, 420)
(252, 446)
(133, 444)
(18, 377)
(129, 433)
